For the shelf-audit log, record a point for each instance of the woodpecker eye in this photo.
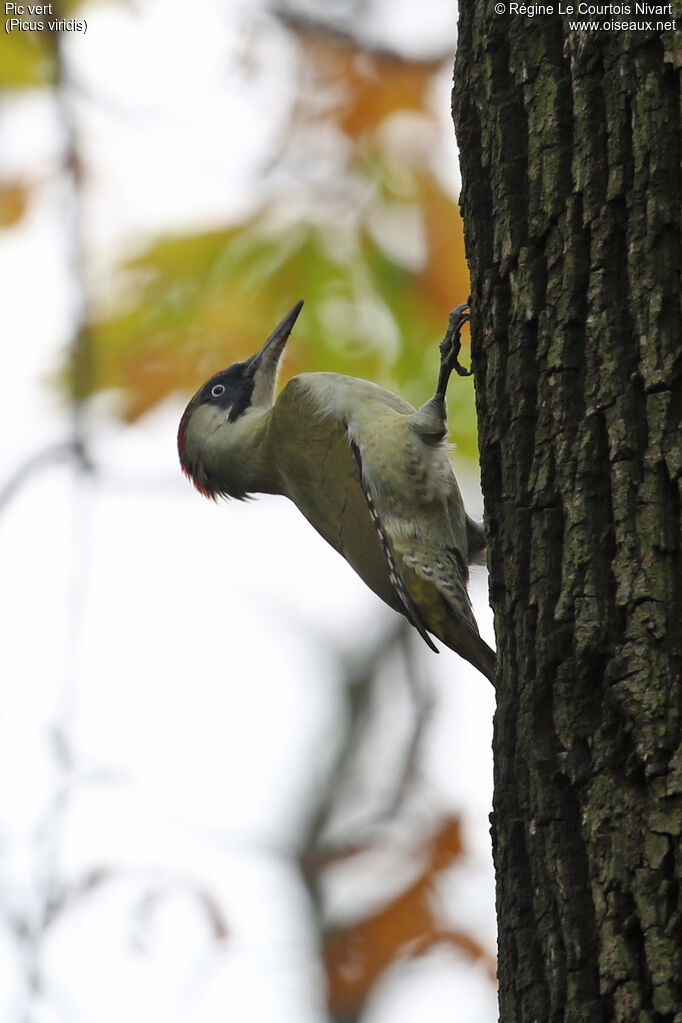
(217, 390)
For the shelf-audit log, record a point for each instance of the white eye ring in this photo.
(217, 390)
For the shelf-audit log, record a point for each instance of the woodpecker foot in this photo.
(450, 348)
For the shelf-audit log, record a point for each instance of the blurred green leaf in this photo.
(379, 279)
(27, 57)
(25, 60)
(200, 302)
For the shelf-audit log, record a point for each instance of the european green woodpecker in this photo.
(369, 471)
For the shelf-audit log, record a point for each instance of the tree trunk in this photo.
(570, 146)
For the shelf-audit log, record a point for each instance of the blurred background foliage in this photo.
(356, 214)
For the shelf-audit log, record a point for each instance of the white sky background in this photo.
(181, 646)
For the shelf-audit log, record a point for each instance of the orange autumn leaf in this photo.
(14, 196)
(372, 85)
(445, 271)
(356, 955)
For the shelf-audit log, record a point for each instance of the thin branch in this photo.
(334, 32)
(74, 451)
(419, 685)
(66, 451)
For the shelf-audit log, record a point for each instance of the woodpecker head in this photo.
(217, 430)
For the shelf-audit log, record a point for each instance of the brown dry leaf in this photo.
(446, 272)
(14, 197)
(356, 955)
(373, 85)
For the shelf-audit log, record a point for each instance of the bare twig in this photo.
(338, 32)
(66, 451)
(30, 929)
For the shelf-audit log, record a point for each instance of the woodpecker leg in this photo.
(430, 421)
(449, 349)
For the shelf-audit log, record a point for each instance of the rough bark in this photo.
(570, 147)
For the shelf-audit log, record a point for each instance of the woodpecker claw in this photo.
(450, 348)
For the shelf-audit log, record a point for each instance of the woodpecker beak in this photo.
(271, 352)
(265, 363)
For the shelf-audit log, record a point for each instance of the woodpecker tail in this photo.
(468, 644)
(436, 580)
